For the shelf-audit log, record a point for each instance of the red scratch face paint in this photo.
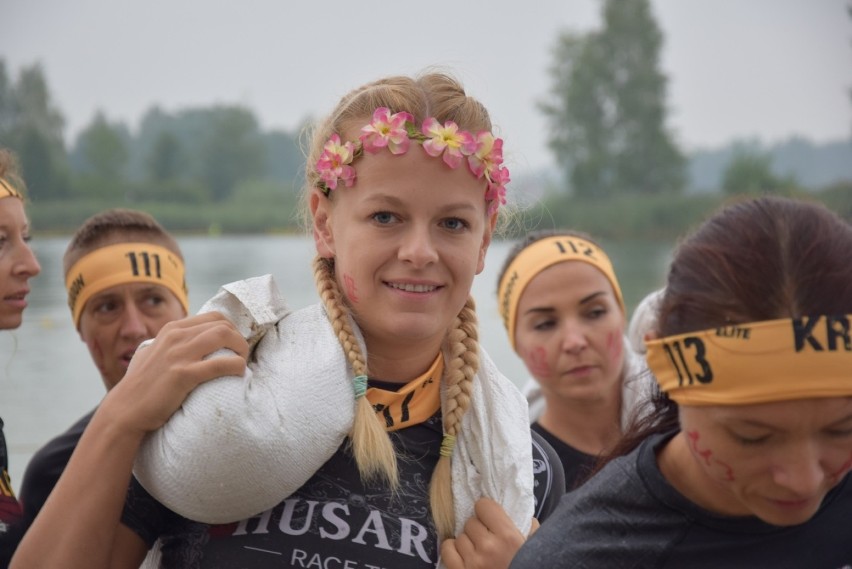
(707, 456)
(536, 360)
(614, 345)
(844, 468)
(351, 292)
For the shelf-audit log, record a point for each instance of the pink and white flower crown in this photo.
(482, 152)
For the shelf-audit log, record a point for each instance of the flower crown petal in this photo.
(482, 152)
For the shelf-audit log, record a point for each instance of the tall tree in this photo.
(32, 126)
(750, 172)
(104, 148)
(607, 107)
(232, 151)
(165, 160)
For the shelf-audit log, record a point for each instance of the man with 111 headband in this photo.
(124, 274)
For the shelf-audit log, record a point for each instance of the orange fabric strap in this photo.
(7, 190)
(540, 255)
(122, 264)
(774, 360)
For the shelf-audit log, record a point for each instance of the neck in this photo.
(402, 362)
(592, 427)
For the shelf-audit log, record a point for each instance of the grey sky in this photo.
(737, 68)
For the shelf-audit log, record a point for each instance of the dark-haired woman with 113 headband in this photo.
(744, 461)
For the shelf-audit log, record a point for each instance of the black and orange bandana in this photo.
(124, 263)
(759, 362)
(418, 400)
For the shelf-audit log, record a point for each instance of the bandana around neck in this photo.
(418, 399)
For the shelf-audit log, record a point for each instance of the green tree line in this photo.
(196, 169)
(622, 173)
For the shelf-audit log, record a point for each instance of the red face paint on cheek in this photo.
(536, 360)
(351, 292)
(844, 468)
(614, 345)
(721, 468)
(704, 454)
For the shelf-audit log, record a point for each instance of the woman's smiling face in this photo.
(407, 240)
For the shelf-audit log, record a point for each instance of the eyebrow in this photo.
(395, 201)
(546, 309)
(761, 424)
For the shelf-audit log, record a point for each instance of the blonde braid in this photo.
(371, 445)
(461, 367)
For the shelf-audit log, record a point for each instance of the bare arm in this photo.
(94, 484)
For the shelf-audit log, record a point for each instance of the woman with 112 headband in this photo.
(564, 314)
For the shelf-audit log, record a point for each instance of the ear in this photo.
(486, 241)
(321, 214)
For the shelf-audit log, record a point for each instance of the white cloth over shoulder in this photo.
(240, 445)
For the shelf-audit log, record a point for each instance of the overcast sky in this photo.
(737, 68)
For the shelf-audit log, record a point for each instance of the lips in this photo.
(20, 295)
(413, 287)
(127, 356)
(580, 370)
(795, 504)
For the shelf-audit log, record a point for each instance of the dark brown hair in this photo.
(761, 259)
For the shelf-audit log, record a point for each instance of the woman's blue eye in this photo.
(383, 217)
(454, 223)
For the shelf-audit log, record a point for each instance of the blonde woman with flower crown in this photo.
(370, 429)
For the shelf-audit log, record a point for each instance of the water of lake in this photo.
(47, 380)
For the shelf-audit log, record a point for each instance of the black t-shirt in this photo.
(576, 465)
(629, 516)
(45, 468)
(10, 509)
(334, 520)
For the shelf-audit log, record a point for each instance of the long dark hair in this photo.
(761, 259)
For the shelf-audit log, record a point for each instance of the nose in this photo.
(573, 338)
(418, 247)
(133, 323)
(26, 264)
(801, 471)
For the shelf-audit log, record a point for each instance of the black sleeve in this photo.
(45, 468)
(549, 477)
(145, 516)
